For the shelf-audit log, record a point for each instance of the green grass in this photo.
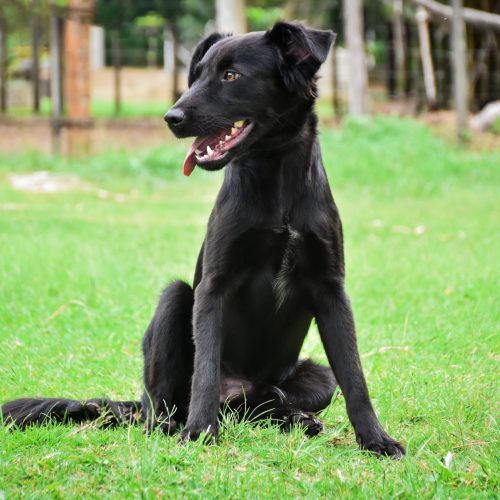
(81, 272)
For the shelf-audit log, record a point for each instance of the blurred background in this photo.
(77, 76)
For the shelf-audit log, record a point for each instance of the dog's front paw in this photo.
(381, 444)
(207, 434)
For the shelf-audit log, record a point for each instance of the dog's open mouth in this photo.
(212, 151)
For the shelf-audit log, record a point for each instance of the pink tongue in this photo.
(190, 160)
(189, 163)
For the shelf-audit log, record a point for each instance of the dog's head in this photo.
(242, 87)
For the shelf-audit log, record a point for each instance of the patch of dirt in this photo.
(21, 134)
(444, 124)
(44, 182)
(128, 134)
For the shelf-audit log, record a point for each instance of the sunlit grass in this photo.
(81, 272)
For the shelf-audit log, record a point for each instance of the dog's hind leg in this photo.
(168, 359)
(307, 391)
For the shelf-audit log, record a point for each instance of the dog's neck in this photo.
(296, 129)
(293, 138)
(277, 171)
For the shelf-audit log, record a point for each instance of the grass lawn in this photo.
(81, 271)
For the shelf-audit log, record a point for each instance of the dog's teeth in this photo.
(234, 130)
(221, 143)
(239, 123)
(210, 151)
(198, 151)
(228, 137)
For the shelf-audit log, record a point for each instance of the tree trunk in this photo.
(426, 56)
(335, 86)
(175, 61)
(117, 66)
(358, 77)
(460, 83)
(3, 65)
(230, 16)
(399, 47)
(410, 51)
(56, 64)
(390, 63)
(56, 78)
(35, 67)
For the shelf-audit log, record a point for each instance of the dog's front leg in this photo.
(205, 384)
(337, 330)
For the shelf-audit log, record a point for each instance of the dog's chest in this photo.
(281, 261)
(282, 281)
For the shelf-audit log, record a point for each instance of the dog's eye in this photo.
(230, 75)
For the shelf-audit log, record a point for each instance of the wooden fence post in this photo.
(116, 50)
(3, 64)
(474, 17)
(460, 81)
(399, 46)
(77, 75)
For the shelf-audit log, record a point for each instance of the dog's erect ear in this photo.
(200, 51)
(303, 51)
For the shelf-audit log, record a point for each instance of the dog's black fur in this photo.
(272, 260)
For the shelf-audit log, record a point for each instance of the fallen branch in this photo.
(470, 444)
(487, 117)
(475, 17)
(63, 308)
(404, 348)
(422, 17)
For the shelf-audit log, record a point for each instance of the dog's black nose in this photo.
(174, 117)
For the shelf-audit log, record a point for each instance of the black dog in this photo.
(272, 259)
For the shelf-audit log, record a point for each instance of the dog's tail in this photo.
(25, 412)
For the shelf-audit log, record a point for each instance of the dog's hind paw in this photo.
(311, 424)
(383, 446)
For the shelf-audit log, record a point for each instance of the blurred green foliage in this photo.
(260, 18)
